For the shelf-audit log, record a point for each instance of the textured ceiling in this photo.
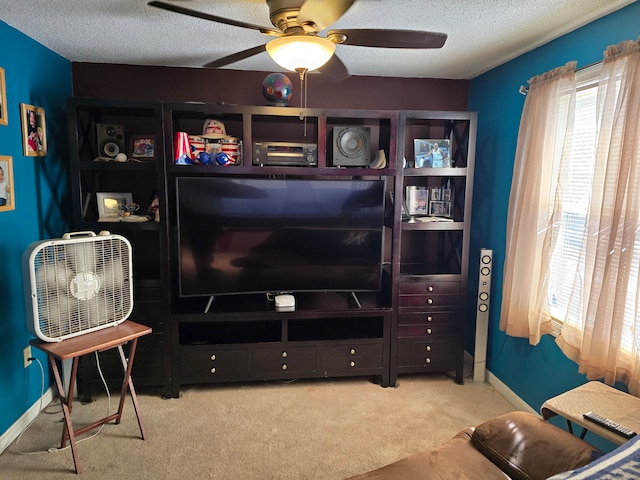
(482, 33)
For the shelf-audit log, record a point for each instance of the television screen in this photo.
(248, 235)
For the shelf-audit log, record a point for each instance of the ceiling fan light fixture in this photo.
(300, 52)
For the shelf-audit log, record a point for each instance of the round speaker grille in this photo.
(351, 143)
(109, 148)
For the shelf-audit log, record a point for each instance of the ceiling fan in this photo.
(298, 45)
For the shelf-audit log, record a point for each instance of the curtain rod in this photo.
(524, 89)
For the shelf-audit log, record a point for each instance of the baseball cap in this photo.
(213, 129)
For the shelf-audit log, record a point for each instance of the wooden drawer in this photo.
(340, 359)
(429, 294)
(429, 301)
(352, 350)
(428, 318)
(212, 364)
(284, 360)
(430, 288)
(428, 324)
(436, 355)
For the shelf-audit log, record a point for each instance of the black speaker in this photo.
(482, 315)
(110, 140)
(351, 146)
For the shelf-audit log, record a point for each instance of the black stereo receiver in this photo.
(285, 154)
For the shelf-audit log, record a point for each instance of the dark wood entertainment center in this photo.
(415, 324)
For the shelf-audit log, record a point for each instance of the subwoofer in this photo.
(110, 140)
(351, 146)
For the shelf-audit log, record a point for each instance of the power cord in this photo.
(59, 449)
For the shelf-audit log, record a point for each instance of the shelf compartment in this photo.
(439, 126)
(379, 133)
(229, 332)
(335, 328)
(426, 252)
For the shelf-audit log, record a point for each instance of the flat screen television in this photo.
(259, 235)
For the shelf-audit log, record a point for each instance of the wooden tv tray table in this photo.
(74, 348)
(599, 398)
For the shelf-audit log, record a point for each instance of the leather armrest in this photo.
(526, 447)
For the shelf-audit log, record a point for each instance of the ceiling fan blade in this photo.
(236, 57)
(366, 37)
(334, 70)
(322, 13)
(205, 16)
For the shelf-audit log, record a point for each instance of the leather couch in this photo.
(517, 445)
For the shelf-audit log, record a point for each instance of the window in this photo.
(567, 262)
(566, 280)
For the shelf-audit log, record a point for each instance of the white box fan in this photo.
(77, 284)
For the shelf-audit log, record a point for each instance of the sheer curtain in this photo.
(544, 140)
(607, 344)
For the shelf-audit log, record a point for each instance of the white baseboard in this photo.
(505, 391)
(511, 397)
(25, 420)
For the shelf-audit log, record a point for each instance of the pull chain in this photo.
(303, 101)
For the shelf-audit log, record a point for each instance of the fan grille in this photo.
(80, 286)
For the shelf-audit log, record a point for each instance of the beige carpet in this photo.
(312, 429)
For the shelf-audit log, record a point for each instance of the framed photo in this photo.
(152, 209)
(417, 200)
(440, 209)
(112, 205)
(3, 99)
(143, 147)
(34, 131)
(7, 195)
(432, 153)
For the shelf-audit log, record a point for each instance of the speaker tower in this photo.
(482, 315)
(351, 146)
(110, 140)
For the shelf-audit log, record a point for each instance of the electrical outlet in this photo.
(26, 353)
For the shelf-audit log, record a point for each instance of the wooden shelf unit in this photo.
(243, 338)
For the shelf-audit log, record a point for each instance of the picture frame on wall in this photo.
(34, 131)
(7, 193)
(111, 205)
(432, 153)
(142, 147)
(3, 99)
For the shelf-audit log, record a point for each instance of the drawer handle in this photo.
(427, 360)
(284, 354)
(213, 357)
(213, 370)
(352, 363)
(284, 366)
(428, 331)
(430, 288)
(352, 351)
(429, 318)
(430, 301)
(427, 348)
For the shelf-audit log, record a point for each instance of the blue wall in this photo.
(533, 373)
(37, 76)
